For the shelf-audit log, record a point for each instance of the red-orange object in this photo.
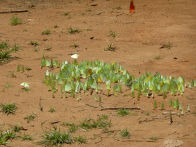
(132, 7)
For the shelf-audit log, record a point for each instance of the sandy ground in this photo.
(139, 38)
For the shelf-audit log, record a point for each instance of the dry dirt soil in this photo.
(138, 49)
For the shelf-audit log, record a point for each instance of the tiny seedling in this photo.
(46, 32)
(30, 117)
(154, 138)
(26, 137)
(72, 128)
(162, 106)
(8, 109)
(155, 104)
(80, 139)
(28, 68)
(110, 47)
(73, 30)
(52, 110)
(48, 48)
(66, 13)
(125, 133)
(157, 57)
(34, 43)
(15, 48)
(112, 34)
(56, 26)
(118, 8)
(123, 112)
(15, 21)
(17, 128)
(75, 45)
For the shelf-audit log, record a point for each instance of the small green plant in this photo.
(56, 26)
(28, 68)
(101, 122)
(52, 110)
(15, 21)
(123, 112)
(154, 138)
(34, 43)
(17, 128)
(74, 45)
(66, 13)
(5, 136)
(112, 34)
(15, 48)
(46, 32)
(162, 106)
(110, 47)
(73, 30)
(8, 109)
(72, 127)
(125, 133)
(30, 117)
(55, 138)
(26, 137)
(157, 57)
(4, 52)
(48, 48)
(80, 139)
(118, 8)
(155, 104)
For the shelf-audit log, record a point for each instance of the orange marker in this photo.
(132, 7)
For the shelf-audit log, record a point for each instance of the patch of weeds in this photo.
(101, 122)
(8, 109)
(5, 136)
(52, 110)
(46, 32)
(154, 138)
(110, 47)
(17, 128)
(66, 13)
(112, 34)
(75, 45)
(34, 43)
(15, 21)
(162, 106)
(73, 30)
(55, 138)
(4, 52)
(72, 127)
(125, 133)
(26, 137)
(148, 113)
(155, 104)
(123, 112)
(30, 117)
(15, 48)
(80, 139)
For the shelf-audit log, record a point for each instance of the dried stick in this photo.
(14, 11)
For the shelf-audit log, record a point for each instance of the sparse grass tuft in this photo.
(4, 51)
(15, 21)
(154, 138)
(46, 32)
(73, 30)
(66, 13)
(5, 136)
(80, 139)
(30, 117)
(26, 137)
(123, 112)
(8, 109)
(55, 138)
(157, 57)
(112, 34)
(34, 43)
(52, 110)
(125, 133)
(17, 128)
(110, 47)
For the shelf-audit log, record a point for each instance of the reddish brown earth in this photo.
(139, 38)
